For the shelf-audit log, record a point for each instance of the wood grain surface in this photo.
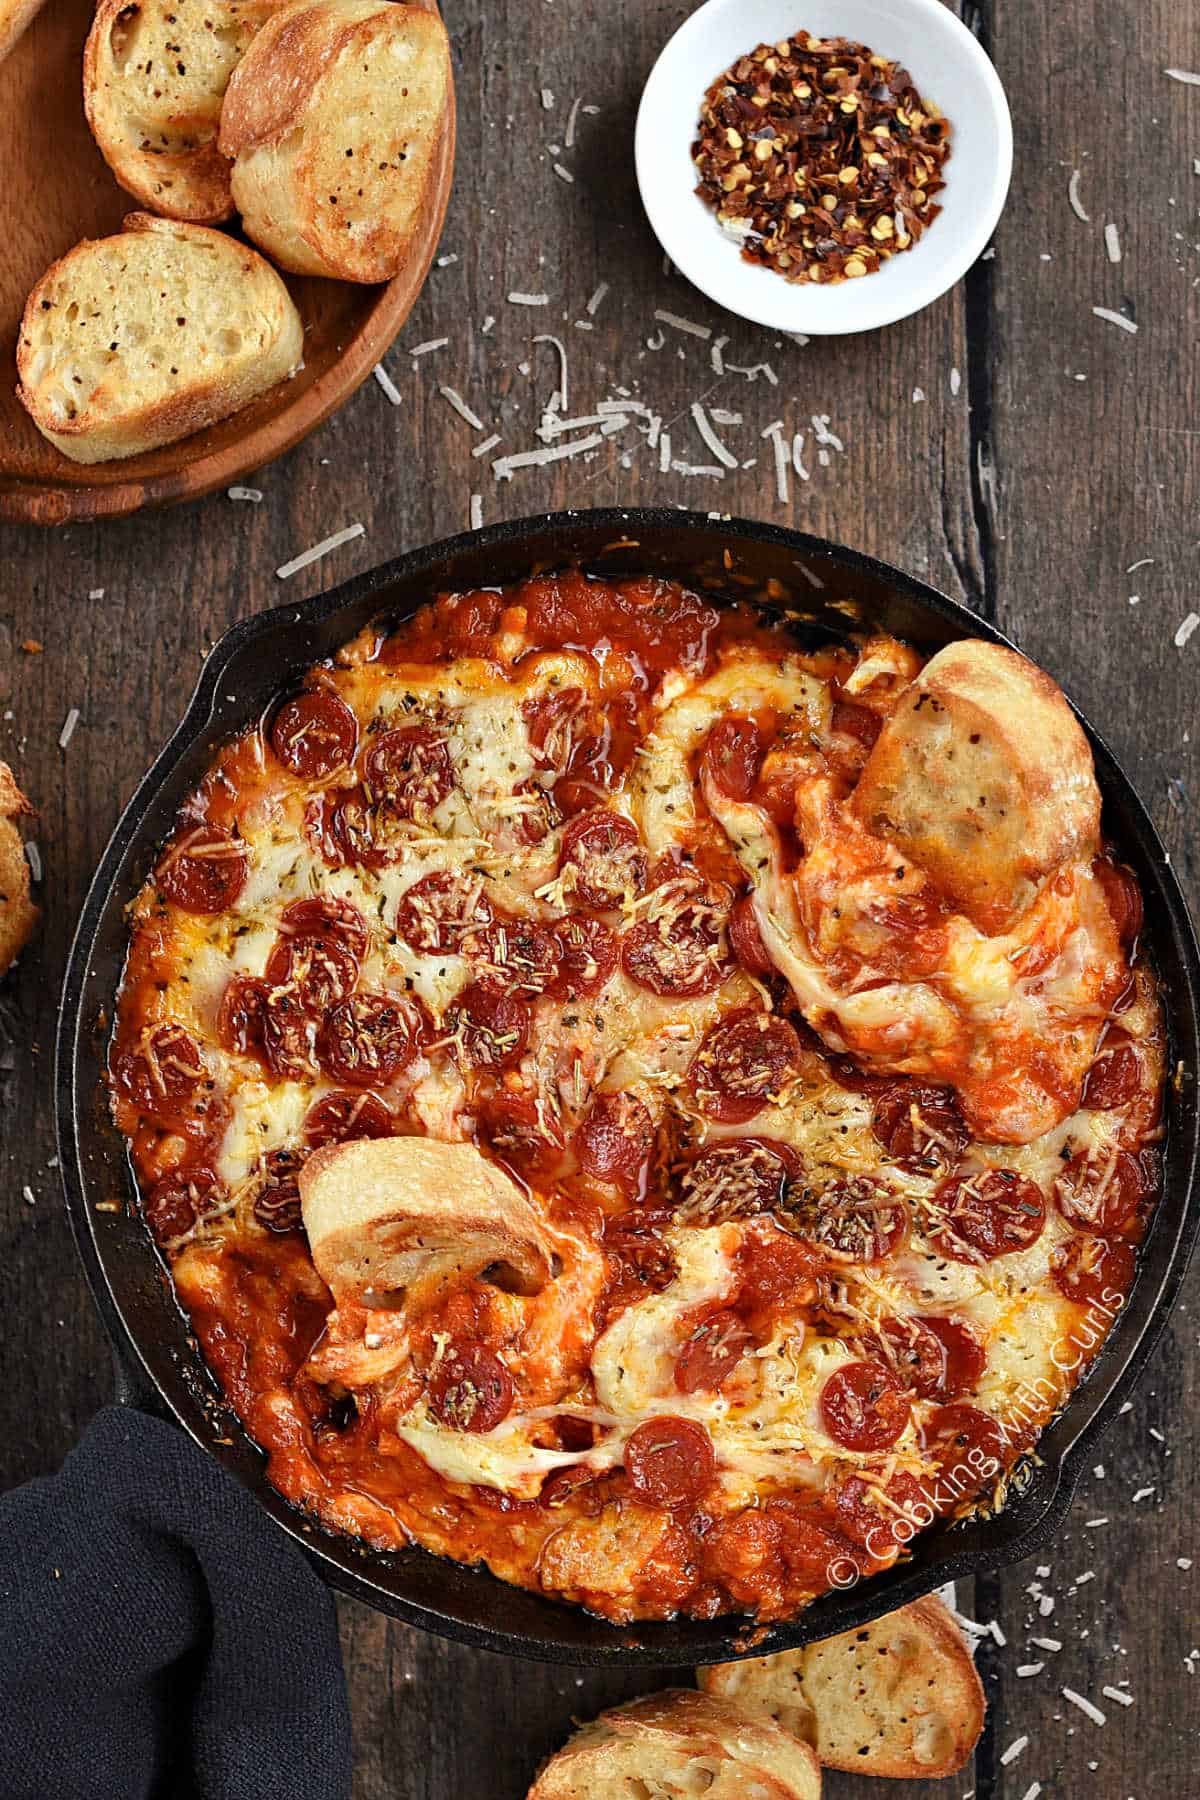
(1008, 445)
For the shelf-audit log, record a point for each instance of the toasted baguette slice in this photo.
(983, 776)
(382, 1214)
(332, 121)
(15, 15)
(900, 1697)
(136, 340)
(674, 1746)
(154, 76)
(18, 914)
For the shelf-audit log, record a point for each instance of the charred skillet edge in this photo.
(553, 1632)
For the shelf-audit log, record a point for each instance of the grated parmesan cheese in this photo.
(1085, 1706)
(387, 384)
(1077, 206)
(455, 400)
(68, 730)
(687, 326)
(1116, 318)
(288, 569)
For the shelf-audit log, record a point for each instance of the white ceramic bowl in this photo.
(947, 67)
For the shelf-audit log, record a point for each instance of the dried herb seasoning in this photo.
(820, 157)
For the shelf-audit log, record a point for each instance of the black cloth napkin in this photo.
(160, 1639)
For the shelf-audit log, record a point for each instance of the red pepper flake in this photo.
(821, 157)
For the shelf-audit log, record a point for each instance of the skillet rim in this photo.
(411, 1585)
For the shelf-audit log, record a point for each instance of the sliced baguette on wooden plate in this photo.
(677, 1745)
(15, 15)
(135, 340)
(900, 1697)
(154, 76)
(18, 914)
(332, 121)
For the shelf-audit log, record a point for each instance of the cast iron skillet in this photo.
(832, 589)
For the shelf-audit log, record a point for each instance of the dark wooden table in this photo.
(1008, 445)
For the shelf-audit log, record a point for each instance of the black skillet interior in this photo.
(827, 590)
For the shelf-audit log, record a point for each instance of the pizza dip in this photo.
(639, 1104)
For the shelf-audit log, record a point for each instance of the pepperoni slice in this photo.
(470, 1389)
(1113, 1079)
(327, 916)
(314, 734)
(411, 770)
(492, 1025)
(366, 1040)
(1102, 1193)
(277, 1203)
(521, 1133)
(676, 949)
(588, 957)
(968, 1447)
(733, 753)
(203, 870)
(166, 1077)
(175, 1203)
(319, 970)
(863, 1406)
(776, 1270)
(521, 955)
(551, 720)
(921, 1126)
(240, 1015)
(343, 1118)
(745, 939)
(938, 1358)
(743, 1064)
(990, 1212)
(857, 1220)
(290, 1030)
(858, 722)
(1124, 897)
(442, 911)
(616, 1139)
(577, 1484)
(738, 1179)
(343, 825)
(642, 1259)
(604, 852)
(881, 1518)
(711, 1353)
(1095, 1271)
(670, 1462)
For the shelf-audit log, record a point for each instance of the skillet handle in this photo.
(132, 1389)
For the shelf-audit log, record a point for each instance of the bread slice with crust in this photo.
(15, 15)
(135, 340)
(900, 1697)
(384, 1213)
(332, 120)
(18, 914)
(677, 1745)
(154, 76)
(983, 776)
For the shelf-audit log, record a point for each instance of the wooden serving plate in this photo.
(57, 189)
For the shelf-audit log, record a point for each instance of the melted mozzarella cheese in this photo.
(263, 1117)
(633, 1364)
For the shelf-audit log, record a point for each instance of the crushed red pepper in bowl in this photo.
(821, 156)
